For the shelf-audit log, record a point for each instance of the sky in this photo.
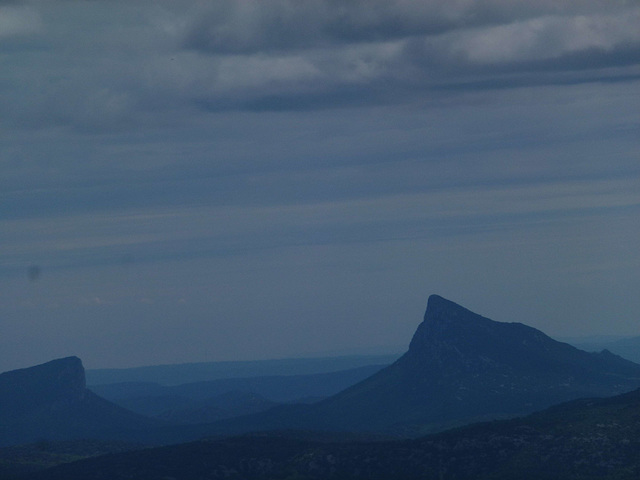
(249, 179)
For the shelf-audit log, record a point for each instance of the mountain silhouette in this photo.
(460, 368)
(50, 401)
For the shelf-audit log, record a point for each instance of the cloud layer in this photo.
(250, 167)
(109, 65)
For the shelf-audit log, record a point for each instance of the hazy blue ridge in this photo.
(206, 371)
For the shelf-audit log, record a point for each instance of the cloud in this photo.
(92, 67)
(251, 26)
(357, 52)
(546, 38)
(284, 25)
(178, 232)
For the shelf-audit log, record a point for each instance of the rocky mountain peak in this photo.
(462, 366)
(452, 336)
(448, 322)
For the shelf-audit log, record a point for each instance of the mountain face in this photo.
(591, 439)
(460, 368)
(463, 367)
(50, 401)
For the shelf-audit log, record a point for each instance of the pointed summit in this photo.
(444, 318)
(459, 339)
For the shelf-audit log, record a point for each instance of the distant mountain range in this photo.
(628, 348)
(589, 439)
(202, 402)
(278, 388)
(181, 374)
(460, 368)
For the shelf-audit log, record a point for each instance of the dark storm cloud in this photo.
(153, 64)
(406, 48)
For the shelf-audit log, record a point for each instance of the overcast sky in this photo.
(247, 179)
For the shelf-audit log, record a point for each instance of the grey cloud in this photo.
(249, 27)
(480, 45)
(545, 38)
(286, 55)
(252, 26)
(158, 234)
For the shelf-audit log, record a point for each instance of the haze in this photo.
(229, 180)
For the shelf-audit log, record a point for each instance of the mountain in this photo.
(460, 368)
(50, 401)
(589, 439)
(463, 367)
(627, 348)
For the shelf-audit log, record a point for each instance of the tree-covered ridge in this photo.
(581, 440)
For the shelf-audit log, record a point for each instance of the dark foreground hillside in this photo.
(580, 440)
(22, 459)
